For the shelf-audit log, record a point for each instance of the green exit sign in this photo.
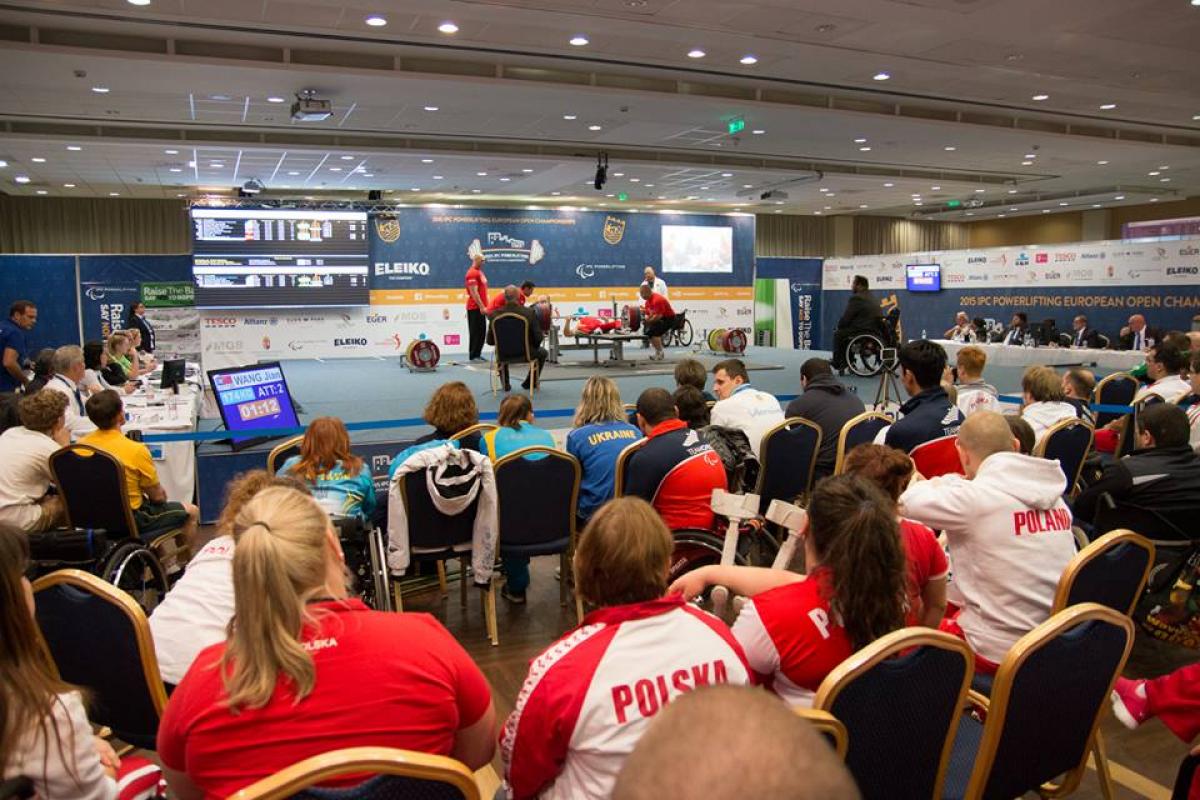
(736, 125)
(953, 203)
(622, 197)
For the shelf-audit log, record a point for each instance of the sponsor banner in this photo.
(106, 306)
(1103, 264)
(236, 337)
(803, 276)
(168, 294)
(430, 248)
(559, 295)
(49, 283)
(176, 332)
(109, 285)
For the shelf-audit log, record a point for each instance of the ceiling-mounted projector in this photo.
(774, 194)
(309, 108)
(253, 186)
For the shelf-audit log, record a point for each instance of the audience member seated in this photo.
(599, 435)
(928, 414)
(340, 481)
(1082, 335)
(676, 470)
(1166, 361)
(1193, 411)
(1173, 698)
(690, 372)
(1161, 475)
(119, 366)
(195, 614)
(26, 502)
(891, 471)
(974, 394)
(451, 409)
(68, 372)
(535, 336)
(14, 348)
(1078, 384)
(43, 370)
(962, 330)
(44, 732)
(764, 751)
(829, 404)
(659, 317)
(515, 432)
(796, 628)
(1044, 404)
(94, 362)
(590, 697)
(740, 405)
(741, 467)
(500, 299)
(1136, 335)
(307, 669)
(1022, 431)
(152, 511)
(142, 361)
(1018, 329)
(1009, 533)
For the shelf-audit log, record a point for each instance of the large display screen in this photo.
(697, 248)
(251, 399)
(924, 277)
(254, 258)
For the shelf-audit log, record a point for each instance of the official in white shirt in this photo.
(69, 372)
(740, 405)
(657, 285)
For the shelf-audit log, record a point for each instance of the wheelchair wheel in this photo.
(684, 334)
(380, 582)
(864, 355)
(135, 570)
(697, 548)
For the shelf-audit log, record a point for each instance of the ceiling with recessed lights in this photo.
(845, 106)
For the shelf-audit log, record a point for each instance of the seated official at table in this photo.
(69, 371)
(1084, 336)
(1137, 335)
(498, 301)
(963, 330)
(339, 480)
(1017, 330)
(152, 511)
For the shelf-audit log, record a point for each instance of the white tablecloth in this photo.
(1005, 355)
(151, 410)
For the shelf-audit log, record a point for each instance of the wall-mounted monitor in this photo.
(924, 277)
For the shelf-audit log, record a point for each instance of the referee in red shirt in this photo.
(659, 319)
(477, 303)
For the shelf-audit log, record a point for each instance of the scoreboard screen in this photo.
(252, 399)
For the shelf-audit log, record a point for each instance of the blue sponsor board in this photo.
(110, 285)
(430, 248)
(49, 283)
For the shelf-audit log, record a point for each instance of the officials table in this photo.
(1007, 355)
(153, 410)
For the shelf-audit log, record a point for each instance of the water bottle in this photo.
(923, 336)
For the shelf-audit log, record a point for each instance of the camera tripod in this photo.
(889, 388)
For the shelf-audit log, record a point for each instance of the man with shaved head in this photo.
(1137, 335)
(1009, 533)
(764, 750)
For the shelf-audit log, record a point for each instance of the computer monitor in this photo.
(924, 277)
(174, 370)
(253, 398)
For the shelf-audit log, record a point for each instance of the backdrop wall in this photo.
(1106, 281)
(51, 282)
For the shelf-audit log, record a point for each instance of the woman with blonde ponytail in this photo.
(306, 669)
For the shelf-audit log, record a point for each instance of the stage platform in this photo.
(366, 390)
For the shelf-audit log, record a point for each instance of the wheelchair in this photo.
(864, 351)
(123, 561)
(366, 559)
(681, 333)
(697, 547)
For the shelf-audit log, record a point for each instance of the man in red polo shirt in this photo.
(659, 318)
(497, 302)
(477, 302)
(675, 470)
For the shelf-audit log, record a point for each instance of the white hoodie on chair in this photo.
(479, 471)
(1010, 540)
(1045, 415)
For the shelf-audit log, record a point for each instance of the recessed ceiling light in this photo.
(448, 27)
(1155, 173)
(622, 175)
(335, 169)
(1045, 211)
(1101, 163)
(579, 41)
(758, 131)
(114, 194)
(1040, 97)
(1119, 197)
(569, 116)
(101, 89)
(1108, 106)
(1064, 204)
(1026, 163)
(980, 191)
(74, 148)
(1164, 167)
(171, 152)
(1001, 216)
(726, 174)
(595, 127)
(816, 213)
(347, 158)
(481, 174)
(368, 174)
(476, 191)
(864, 149)
(175, 169)
(22, 179)
(828, 208)
(505, 180)
(41, 191)
(881, 76)
(822, 189)
(1014, 208)
(704, 188)
(376, 21)
(426, 160)
(556, 194)
(831, 194)
(970, 213)
(1012, 191)
(527, 170)
(1097, 205)
(415, 189)
(276, 99)
(936, 188)
(38, 160)
(635, 180)
(139, 2)
(748, 60)
(437, 177)
(918, 203)
(949, 148)
(219, 97)
(293, 172)
(1031, 156)
(696, 52)
(1164, 180)
(860, 140)
(1195, 117)
(431, 108)
(863, 205)
(888, 185)
(1153, 199)
(68, 186)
